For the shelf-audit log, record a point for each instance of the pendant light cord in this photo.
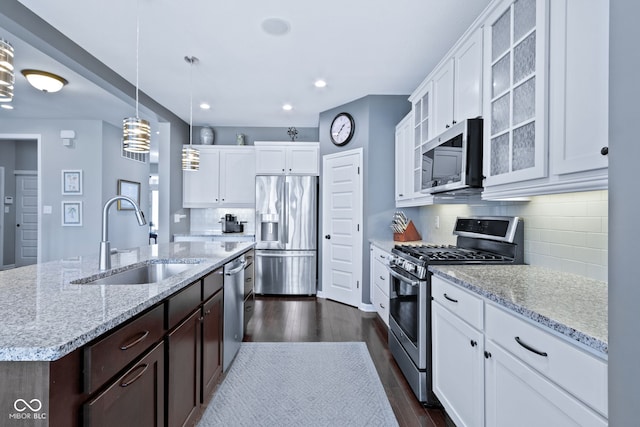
(137, 50)
(191, 101)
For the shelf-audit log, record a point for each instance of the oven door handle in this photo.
(403, 278)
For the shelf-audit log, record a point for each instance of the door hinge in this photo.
(357, 284)
(358, 227)
(358, 170)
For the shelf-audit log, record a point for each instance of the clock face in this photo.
(342, 129)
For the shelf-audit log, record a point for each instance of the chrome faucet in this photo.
(105, 246)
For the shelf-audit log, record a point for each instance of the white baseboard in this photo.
(320, 294)
(367, 307)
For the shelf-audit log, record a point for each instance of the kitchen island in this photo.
(52, 328)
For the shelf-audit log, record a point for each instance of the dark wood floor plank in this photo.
(311, 319)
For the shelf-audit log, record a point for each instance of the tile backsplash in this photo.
(207, 220)
(563, 232)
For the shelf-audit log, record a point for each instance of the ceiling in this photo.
(360, 47)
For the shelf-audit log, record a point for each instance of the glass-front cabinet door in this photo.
(422, 113)
(515, 143)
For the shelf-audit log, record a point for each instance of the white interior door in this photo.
(26, 219)
(341, 229)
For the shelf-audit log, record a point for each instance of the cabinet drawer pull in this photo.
(449, 298)
(382, 278)
(531, 349)
(138, 340)
(141, 369)
(382, 306)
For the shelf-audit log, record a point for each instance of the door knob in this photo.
(328, 236)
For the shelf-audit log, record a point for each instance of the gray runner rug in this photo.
(300, 384)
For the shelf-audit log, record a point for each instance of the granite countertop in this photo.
(44, 316)
(571, 305)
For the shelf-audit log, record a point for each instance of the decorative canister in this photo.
(240, 139)
(206, 136)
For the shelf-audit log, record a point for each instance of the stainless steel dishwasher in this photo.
(233, 310)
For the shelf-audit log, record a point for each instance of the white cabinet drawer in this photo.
(379, 254)
(381, 302)
(580, 373)
(381, 277)
(465, 305)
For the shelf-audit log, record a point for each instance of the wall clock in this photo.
(342, 128)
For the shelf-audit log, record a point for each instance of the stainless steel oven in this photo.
(409, 322)
(481, 240)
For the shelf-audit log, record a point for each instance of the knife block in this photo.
(408, 235)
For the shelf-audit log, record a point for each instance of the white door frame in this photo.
(358, 269)
(38, 138)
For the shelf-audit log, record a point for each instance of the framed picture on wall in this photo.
(72, 182)
(130, 189)
(71, 214)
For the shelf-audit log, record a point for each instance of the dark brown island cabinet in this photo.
(158, 369)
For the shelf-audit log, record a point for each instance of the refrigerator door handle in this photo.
(287, 200)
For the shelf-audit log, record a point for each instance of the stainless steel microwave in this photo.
(453, 160)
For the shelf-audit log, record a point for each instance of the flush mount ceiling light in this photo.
(6, 71)
(276, 26)
(320, 83)
(44, 80)
(190, 156)
(287, 107)
(205, 106)
(136, 132)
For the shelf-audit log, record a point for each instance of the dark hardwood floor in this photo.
(278, 319)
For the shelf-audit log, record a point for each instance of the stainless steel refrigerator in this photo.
(286, 235)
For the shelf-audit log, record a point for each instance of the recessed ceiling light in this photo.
(320, 83)
(205, 106)
(276, 26)
(7, 106)
(287, 107)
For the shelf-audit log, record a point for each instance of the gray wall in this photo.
(124, 231)
(376, 117)
(95, 151)
(624, 211)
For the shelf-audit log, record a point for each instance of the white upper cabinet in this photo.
(457, 84)
(287, 158)
(515, 146)
(579, 96)
(409, 165)
(546, 97)
(443, 88)
(226, 178)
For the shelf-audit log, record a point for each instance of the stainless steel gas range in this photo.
(480, 240)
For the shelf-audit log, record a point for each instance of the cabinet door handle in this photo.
(487, 355)
(449, 298)
(382, 306)
(382, 278)
(138, 340)
(447, 126)
(531, 349)
(474, 343)
(141, 370)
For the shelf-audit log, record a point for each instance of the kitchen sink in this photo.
(140, 274)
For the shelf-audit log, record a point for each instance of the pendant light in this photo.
(136, 132)
(6, 71)
(190, 155)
